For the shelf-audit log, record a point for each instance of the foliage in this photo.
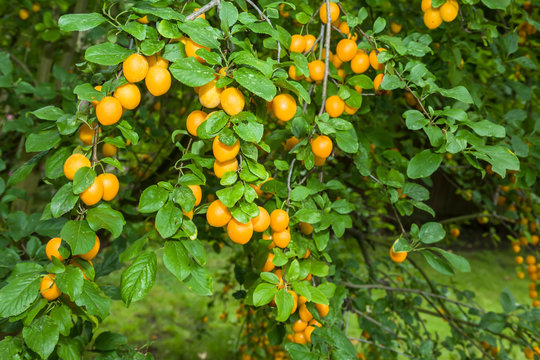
(308, 151)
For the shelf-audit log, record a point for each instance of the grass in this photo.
(491, 272)
(169, 321)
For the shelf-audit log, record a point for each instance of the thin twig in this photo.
(407, 88)
(94, 144)
(23, 66)
(304, 108)
(316, 41)
(396, 215)
(289, 180)
(450, 321)
(416, 291)
(380, 346)
(339, 31)
(373, 321)
(327, 57)
(202, 10)
(271, 25)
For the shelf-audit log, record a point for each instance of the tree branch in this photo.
(202, 10)
(316, 41)
(24, 67)
(409, 290)
(373, 321)
(380, 346)
(94, 144)
(269, 22)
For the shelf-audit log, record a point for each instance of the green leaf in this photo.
(80, 22)
(42, 141)
(264, 293)
(496, 4)
(255, 82)
(107, 54)
(20, 292)
(168, 29)
(300, 193)
(248, 59)
(135, 29)
(284, 303)
(87, 92)
(493, 322)
(487, 128)
(228, 15)
(347, 140)
(501, 158)
(192, 73)
(176, 259)
(63, 201)
(437, 263)
(247, 127)
(152, 199)
(415, 120)
(95, 302)
(151, 46)
(402, 244)
(71, 282)
(138, 278)
(301, 352)
(49, 112)
(431, 232)
(423, 164)
(184, 197)
(168, 220)
(459, 93)
(134, 249)
(69, 348)
(415, 191)
(270, 277)
(379, 25)
(83, 179)
(62, 317)
(213, 125)
(319, 268)
(21, 173)
(294, 271)
(392, 82)
(508, 302)
(311, 216)
(295, 87)
(454, 144)
(67, 124)
(363, 81)
(166, 13)
(229, 196)
(54, 166)
(201, 32)
(41, 336)
(6, 67)
(79, 236)
(458, 262)
(105, 217)
(200, 281)
(126, 130)
(300, 63)
(109, 341)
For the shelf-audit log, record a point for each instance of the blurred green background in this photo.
(170, 321)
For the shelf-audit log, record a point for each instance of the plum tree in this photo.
(317, 133)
